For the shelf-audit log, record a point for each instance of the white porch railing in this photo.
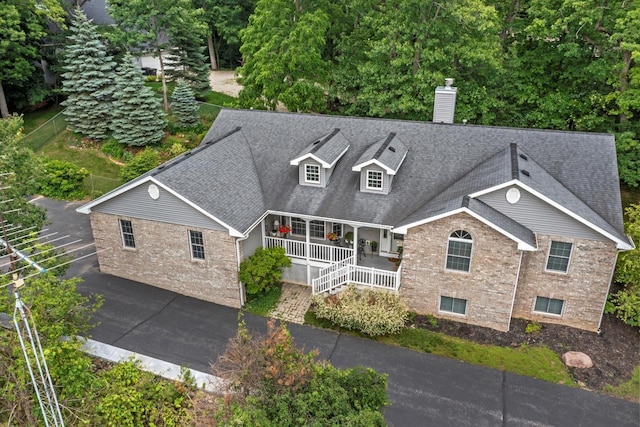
(317, 252)
(331, 278)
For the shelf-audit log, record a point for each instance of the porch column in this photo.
(308, 248)
(355, 245)
(262, 223)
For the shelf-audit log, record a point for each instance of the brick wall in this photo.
(489, 286)
(162, 258)
(583, 288)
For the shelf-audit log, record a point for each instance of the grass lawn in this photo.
(91, 159)
(37, 118)
(535, 362)
(263, 304)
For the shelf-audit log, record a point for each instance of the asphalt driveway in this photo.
(424, 389)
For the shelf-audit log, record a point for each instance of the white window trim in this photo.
(368, 187)
(306, 173)
(546, 313)
(324, 228)
(546, 260)
(333, 228)
(293, 229)
(446, 254)
(453, 313)
(124, 244)
(204, 253)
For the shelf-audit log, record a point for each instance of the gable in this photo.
(137, 203)
(539, 216)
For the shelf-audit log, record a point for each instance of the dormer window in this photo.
(311, 173)
(374, 180)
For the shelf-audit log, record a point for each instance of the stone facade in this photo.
(583, 288)
(488, 287)
(162, 258)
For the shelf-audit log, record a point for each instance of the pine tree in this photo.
(191, 62)
(88, 80)
(184, 105)
(138, 118)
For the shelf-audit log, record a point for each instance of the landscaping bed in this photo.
(615, 352)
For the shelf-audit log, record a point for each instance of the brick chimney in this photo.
(445, 102)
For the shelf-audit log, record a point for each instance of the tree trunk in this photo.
(212, 52)
(624, 77)
(4, 110)
(165, 98)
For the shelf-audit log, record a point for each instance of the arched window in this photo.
(459, 251)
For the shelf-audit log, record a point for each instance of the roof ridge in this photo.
(322, 142)
(384, 145)
(163, 167)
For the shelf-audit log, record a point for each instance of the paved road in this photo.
(424, 389)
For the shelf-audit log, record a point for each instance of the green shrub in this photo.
(271, 382)
(143, 162)
(112, 148)
(532, 327)
(625, 305)
(263, 270)
(63, 180)
(372, 313)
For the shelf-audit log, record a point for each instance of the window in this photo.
(559, 255)
(127, 234)
(459, 251)
(298, 226)
(453, 305)
(311, 173)
(197, 244)
(549, 305)
(374, 180)
(336, 227)
(316, 229)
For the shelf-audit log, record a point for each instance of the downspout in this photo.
(515, 289)
(238, 240)
(606, 296)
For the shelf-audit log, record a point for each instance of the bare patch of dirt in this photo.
(615, 352)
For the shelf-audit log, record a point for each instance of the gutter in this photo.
(238, 240)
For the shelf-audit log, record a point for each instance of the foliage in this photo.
(263, 270)
(130, 396)
(137, 118)
(88, 80)
(184, 106)
(625, 303)
(532, 327)
(271, 382)
(188, 51)
(370, 312)
(112, 148)
(263, 304)
(143, 162)
(24, 176)
(63, 180)
(282, 51)
(148, 24)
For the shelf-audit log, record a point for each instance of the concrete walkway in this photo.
(294, 302)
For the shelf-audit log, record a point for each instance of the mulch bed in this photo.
(615, 352)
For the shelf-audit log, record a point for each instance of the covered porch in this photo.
(324, 247)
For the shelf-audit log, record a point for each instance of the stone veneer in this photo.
(488, 287)
(162, 258)
(584, 287)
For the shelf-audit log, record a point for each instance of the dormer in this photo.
(318, 159)
(380, 163)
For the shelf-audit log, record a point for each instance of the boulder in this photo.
(577, 359)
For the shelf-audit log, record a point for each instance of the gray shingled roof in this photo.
(459, 159)
(327, 148)
(242, 169)
(388, 151)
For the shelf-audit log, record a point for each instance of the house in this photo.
(490, 223)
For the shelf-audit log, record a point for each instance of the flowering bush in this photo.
(372, 313)
(285, 229)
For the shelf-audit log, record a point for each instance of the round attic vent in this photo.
(154, 191)
(513, 195)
